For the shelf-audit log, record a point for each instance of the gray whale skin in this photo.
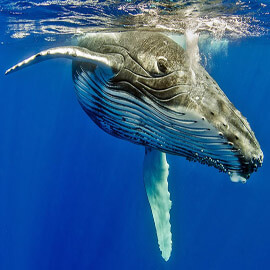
(139, 86)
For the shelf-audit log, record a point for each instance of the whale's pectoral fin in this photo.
(156, 171)
(112, 61)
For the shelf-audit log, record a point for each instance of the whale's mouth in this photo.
(124, 111)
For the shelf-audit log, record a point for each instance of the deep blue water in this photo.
(72, 197)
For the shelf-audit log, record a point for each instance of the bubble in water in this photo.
(192, 48)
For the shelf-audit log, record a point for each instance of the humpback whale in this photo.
(139, 86)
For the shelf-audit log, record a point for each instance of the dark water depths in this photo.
(72, 197)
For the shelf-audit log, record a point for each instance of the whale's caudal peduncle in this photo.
(138, 86)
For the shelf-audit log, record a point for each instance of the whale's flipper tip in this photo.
(156, 171)
(10, 70)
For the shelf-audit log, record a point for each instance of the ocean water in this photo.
(72, 196)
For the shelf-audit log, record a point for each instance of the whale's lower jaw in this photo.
(144, 122)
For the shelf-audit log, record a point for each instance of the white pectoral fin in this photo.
(113, 61)
(156, 171)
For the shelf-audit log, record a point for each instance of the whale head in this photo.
(154, 98)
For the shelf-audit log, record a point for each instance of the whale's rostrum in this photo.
(138, 86)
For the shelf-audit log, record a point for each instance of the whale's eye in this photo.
(162, 64)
